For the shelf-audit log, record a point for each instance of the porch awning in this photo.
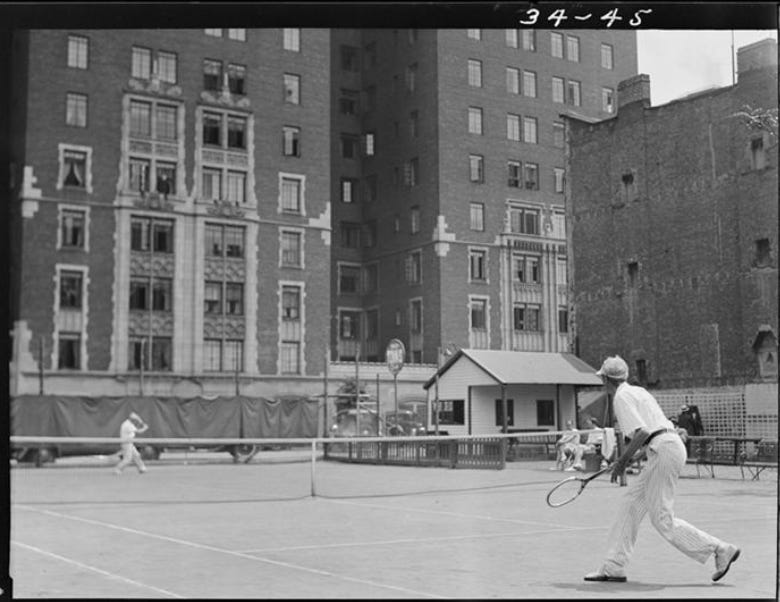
(525, 367)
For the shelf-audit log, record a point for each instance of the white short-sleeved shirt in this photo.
(636, 408)
(127, 430)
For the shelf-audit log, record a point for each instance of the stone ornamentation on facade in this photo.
(225, 98)
(153, 86)
(153, 200)
(224, 208)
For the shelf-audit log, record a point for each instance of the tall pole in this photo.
(436, 398)
(733, 70)
(40, 365)
(378, 413)
(357, 390)
(325, 428)
(235, 375)
(143, 361)
(395, 392)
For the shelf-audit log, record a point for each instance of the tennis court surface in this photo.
(214, 529)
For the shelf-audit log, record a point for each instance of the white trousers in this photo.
(130, 454)
(653, 493)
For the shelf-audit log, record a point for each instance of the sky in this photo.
(680, 62)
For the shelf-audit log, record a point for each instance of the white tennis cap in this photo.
(614, 367)
(135, 416)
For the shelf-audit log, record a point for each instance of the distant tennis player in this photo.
(127, 431)
(640, 417)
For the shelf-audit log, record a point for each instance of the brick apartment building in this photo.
(674, 213)
(447, 181)
(209, 208)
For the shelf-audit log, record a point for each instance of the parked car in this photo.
(345, 424)
(404, 423)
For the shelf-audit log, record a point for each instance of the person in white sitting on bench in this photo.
(601, 441)
(566, 447)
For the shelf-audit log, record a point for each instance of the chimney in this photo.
(633, 89)
(756, 55)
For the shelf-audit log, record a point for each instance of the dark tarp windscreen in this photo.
(198, 417)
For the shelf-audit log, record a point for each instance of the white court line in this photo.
(192, 544)
(94, 569)
(419, 540)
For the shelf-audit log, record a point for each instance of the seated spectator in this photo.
(601, 442)
(566, 446)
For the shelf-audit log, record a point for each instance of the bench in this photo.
(755, 455)
(755, 461)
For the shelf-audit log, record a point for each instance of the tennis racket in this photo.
(569, 489)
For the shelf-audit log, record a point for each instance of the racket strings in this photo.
(565, 492)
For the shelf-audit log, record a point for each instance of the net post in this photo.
(313, 461)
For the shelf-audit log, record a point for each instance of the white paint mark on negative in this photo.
(192, 544)
(95, 569)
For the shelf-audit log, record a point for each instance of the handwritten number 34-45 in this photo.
(560, 15)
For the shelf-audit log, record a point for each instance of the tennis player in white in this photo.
(640, 417)
(127, 432)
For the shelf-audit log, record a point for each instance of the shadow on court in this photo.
(255, 530)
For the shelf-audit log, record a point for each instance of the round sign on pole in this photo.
(394, 355)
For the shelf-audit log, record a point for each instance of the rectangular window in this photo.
(234, 241)
(511, 38)
(529, 130)
(606, 56)
(212, 355)
(556, 44)
(236, 187)
(162, 352)
(411, 169)
(349, 279)
(217, 33)
(348, 102)
(76, 110)
(291, 303)
(369, 141)
(474, 34)
(558, 134)
(139, 234)
(608, 100)
(212, 75)
(632, 271)
(368, 234)
(237, 34)
(558, 179)
(476, 169)
(78, 52)
(557, 89)
(531, 176)
(529, 40)
(289, 357)
(139, 293)
(475, 120)
(291, 195)
(212, 126)
(477, 267)
(512, 80)
(545, 412)
(214, 246)
(237, 79)
(212, 298)
(514, 175)
(563, 320)
(415, 316)
(349, 146)
(477, 217)
(212, 184)
(70, 290)
(291, 249)
(414, 124)
(350, 235)
(166, 66)
(236, 132)
(69, 351)
(162, 236)
(762, 257)
(349, 325)
(140, 118)
(291, 39)
(141, 67)
(411, 77)
(414, 215)
(529, 84)
(414, 267)
(348, 190)
(475, 73)
(478, 314)
(524, 221)
(513, 127)
(165, 122)
(574, 93)
(234, 299)
(166, 178)
(451, 411)
(74, 168)
(349, 58)
(510, 412)
(72, 229)
(162, 293)
(573, 48)
(292, 88)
